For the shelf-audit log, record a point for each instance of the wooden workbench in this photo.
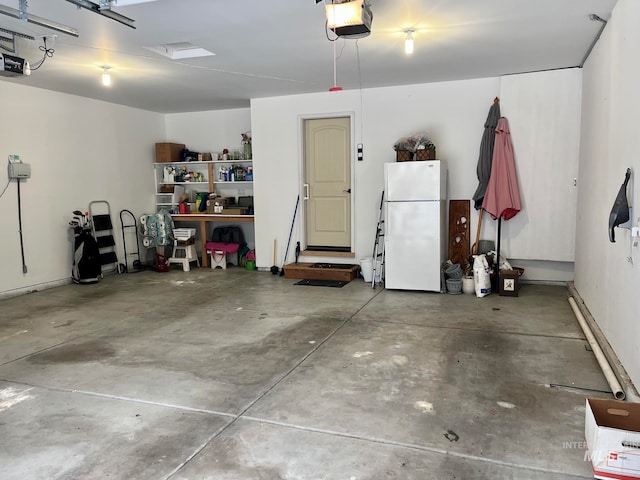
(203, 219)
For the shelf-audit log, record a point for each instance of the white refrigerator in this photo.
(414, 234)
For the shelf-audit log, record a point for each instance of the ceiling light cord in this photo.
(327, 30)
(360, 88)
(47, 53)
(335, 64)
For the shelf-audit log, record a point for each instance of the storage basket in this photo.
(184, 233)
(167, 188)
(404, 156)
(426, 154)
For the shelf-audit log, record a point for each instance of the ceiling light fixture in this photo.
(408, 42)
(106, 76)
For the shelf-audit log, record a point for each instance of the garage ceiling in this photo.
(280, 47)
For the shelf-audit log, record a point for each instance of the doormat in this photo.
(322, 283)
(325, 248)
(336, 266)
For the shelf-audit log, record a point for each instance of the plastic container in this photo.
(454, 285)
(468, 285)
(250, 265)
(485, 246)
(454, 271)
(366, 268)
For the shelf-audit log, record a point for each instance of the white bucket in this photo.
(468, 285)
(366, 267)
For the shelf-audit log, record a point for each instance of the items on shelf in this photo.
(181, 174)
(235, 173)
(231, 177)
(246, 145)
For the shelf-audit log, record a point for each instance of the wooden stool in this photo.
(184, 252)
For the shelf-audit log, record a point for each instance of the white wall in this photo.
(79, 150)
(83, 150)
(209, 131)
(452, 113)
(607, 282)
(543, 109)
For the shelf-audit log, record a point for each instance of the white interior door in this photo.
(327, 192)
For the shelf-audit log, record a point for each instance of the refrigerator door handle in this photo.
(306, 191)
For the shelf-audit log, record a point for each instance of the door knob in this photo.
(348, 190)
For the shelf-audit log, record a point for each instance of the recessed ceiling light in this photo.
(180, 50)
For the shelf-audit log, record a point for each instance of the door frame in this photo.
(301, 170)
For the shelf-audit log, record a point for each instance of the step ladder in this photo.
(102, 229)
(378, 247)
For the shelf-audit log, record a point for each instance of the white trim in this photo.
(301, 138)
(34, 288)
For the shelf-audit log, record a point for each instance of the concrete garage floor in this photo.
(240, 375)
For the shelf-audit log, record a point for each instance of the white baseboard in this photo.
(34, 288)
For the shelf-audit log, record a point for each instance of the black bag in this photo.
(87, 267)
(231, 234)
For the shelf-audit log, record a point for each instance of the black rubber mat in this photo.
(336, 266)
(322, 283)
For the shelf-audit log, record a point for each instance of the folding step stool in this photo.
(184, 252)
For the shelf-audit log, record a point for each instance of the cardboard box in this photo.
(612, 434)
(168, 152)
(234, 211)
(217, 201)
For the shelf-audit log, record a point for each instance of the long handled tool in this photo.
(475, 246)
(286, 253)
(274, 267)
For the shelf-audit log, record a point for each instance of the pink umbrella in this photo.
(502, 199)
